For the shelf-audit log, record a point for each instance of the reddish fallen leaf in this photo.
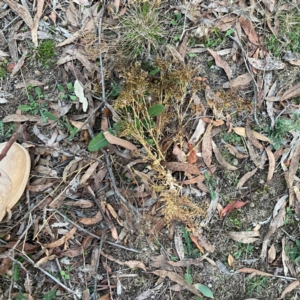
(250, 271)
(289, 288)
(4, 265)
(220, 63)
(195, 240)
(231, 206)
(249, 30)
(192, 157)
(240, 82)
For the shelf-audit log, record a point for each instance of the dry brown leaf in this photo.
(258, 160)
(221, 159)
(242, 132)
(245, 178)
(89, 172)
(193, 180)
(114, 214)
(186, 262)
(83, 59)
(182, 46)
(269, 64)
(28, 82)
(195, 240)
(179, 153)
(235, 152)
(21, 11)
(71, 166)
(241, 81)
(271, 164)
(118, 141)
(293, 92)
(184, 167)
(285, 258)
(220, 63)
(175, 54)
(62, 240)
(35, 23)
(291, 174)
(276, 222)
(207, 147)
(289, 288)
(269, 4)
(230, 260)
(249, 30)
(80, 203)
(245, 237)
(192, 155)
(4, 266)
(19, 65)
(271, 254)
(179, 243)
(251, 137)
(78, 124)
(198, 132)
(131, 263)
(93, 220)
(178, 279)
(44, 260)
(250, 271)
(202, 241)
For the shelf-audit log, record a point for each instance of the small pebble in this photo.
(235, 162)
(64, 23)
(252, 204)
(45, 18)
(209, 285)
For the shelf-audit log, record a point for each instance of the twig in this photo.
(249, 68)
(123, 247)
(97, 265)
(24, 255)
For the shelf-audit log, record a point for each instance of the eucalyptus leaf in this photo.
(25, 107)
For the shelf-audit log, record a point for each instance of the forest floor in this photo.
(164, 139)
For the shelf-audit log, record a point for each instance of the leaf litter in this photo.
(109, 204)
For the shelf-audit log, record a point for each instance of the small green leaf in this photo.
(70, 87)
(72, 97)
(229, 32)
(16, 274)
(155, 110)
(48, 115)
(38, 91)
(50, 295)
(204, 290)
(154, 71)
(98, 142)
(188, 278)
(67, 276)
(60, 88)
(192, 55)
(62, 273)
(25, 107)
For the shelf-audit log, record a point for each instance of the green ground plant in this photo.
(35, 105)
(256, 284)
(294, 251)
(3, 71)
(6, 130)
(68, 92)
(243, 251)
(281, 128)
(45, 52)
(143, 31)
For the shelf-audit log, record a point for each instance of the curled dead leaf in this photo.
(221, 159)
(185, 167)
(220, 63)
(251, 137)
(245, 237)
(245, 178)
(91, 221)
